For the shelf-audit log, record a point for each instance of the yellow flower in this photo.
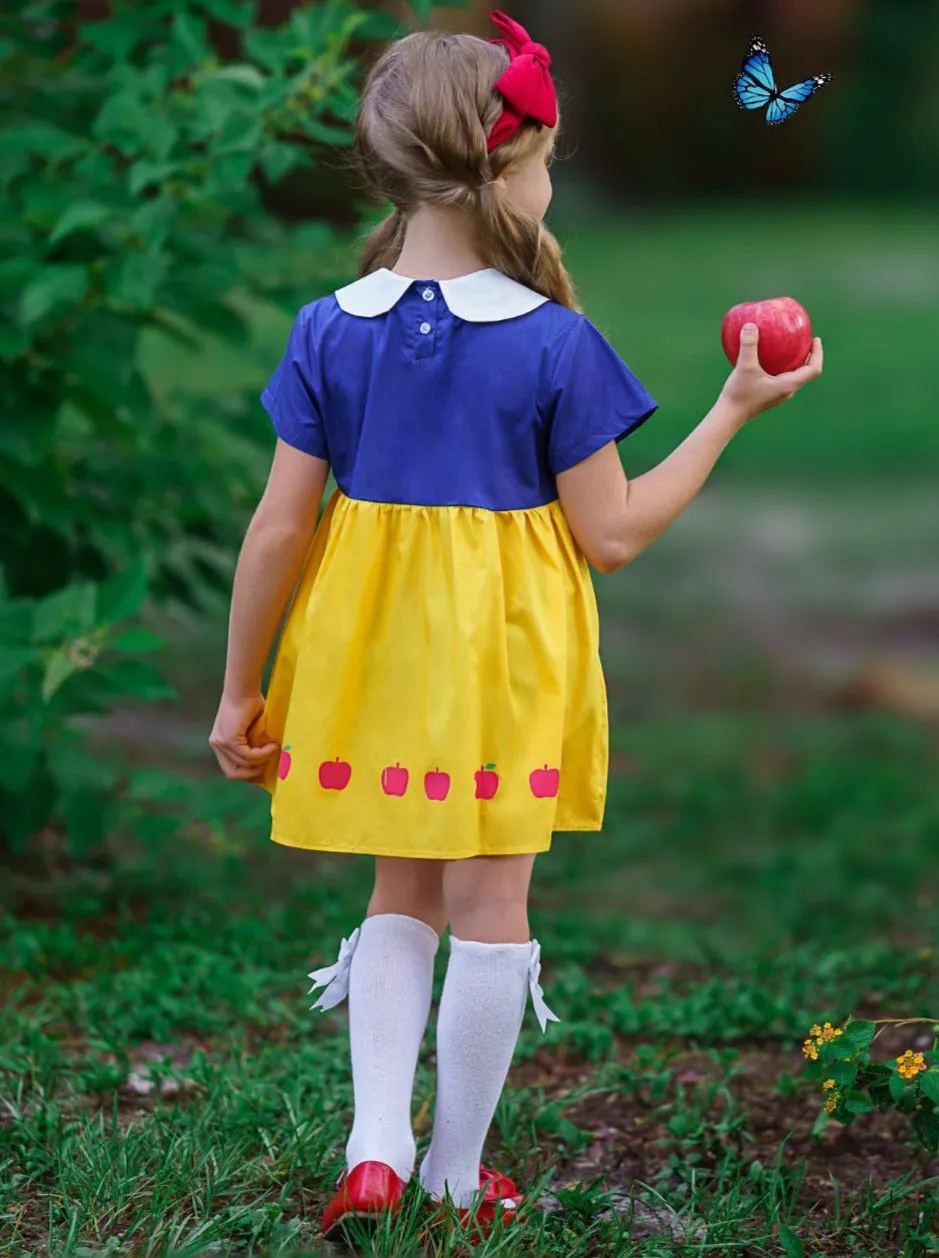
(830, 1033)
(816, 1030)
(910, 1064)
(809, 1050)
(828, 1084)
(832, 1103)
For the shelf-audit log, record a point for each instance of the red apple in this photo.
(545, 783)
(394, 781)
(284, 767)
(487, 782)
(335, 775)
(437, 785)
(785, 333)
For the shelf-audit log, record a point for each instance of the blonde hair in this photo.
(427, 109)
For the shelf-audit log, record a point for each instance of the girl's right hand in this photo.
(750, 390)
(239, 759)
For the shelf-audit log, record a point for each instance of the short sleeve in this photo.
(595, 398)
(292, 395)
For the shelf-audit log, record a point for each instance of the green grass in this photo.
(687, 950)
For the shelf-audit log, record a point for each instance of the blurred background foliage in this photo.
(134, 158)
(176, 184)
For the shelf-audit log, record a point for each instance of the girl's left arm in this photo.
(275, 546)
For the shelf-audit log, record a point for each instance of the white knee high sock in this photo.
(478, 1024)
(390, 981)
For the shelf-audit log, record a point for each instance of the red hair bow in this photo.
(526, 86)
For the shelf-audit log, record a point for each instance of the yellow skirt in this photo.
(437, 691)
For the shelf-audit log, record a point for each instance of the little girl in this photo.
(437, 700)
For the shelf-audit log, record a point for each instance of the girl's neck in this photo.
(439, 244)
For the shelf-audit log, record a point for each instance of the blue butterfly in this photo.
(756, 87)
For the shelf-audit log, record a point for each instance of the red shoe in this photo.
(499, 1197)
(498, 1186)
(369, 1189)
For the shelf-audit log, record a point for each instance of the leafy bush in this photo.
(132, 201)
(132, 165)
(855, 1083)
(68, 654)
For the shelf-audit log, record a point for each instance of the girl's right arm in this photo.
(272, 556)
(613, 520)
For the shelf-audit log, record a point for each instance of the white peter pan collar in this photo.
(482, 297)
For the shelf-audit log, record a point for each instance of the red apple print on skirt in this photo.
(335, 775)
(436, 785)
(284, 767)
(394, 780)
(487, 782)
(545, 783)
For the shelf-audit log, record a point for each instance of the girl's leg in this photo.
(411, 887)
(390, 983)
(481, 1011)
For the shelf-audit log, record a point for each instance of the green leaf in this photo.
(190, 34)
(929, 1085)
(53, 289)
(277, 160)
(136, 641)
(65, 613)
(13, 660)
(80, 216)
(821, 1124)
(137, 680)
(381, 27)
(897, 1087)
(136, 278)
(859, 1034)
(244, 75)
(239, 133)
(230, 175)
(134, 125)
(117, 36)
(103, 353)
(40, 139)
(791, 1244)
(122, 596)
(145, 172)
(238, 13)
(843, 1072)
(15, 272)
(154, 219)
(59, 669)
(324, 133)
(856, 1102)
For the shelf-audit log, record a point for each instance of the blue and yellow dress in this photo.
(437, 689)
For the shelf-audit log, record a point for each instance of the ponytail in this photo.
(520, 246)
(383, 246)
(421, 139)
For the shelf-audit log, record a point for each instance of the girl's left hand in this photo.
(750, 390)
(239, 760)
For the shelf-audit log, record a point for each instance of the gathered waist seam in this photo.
(546, 508)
